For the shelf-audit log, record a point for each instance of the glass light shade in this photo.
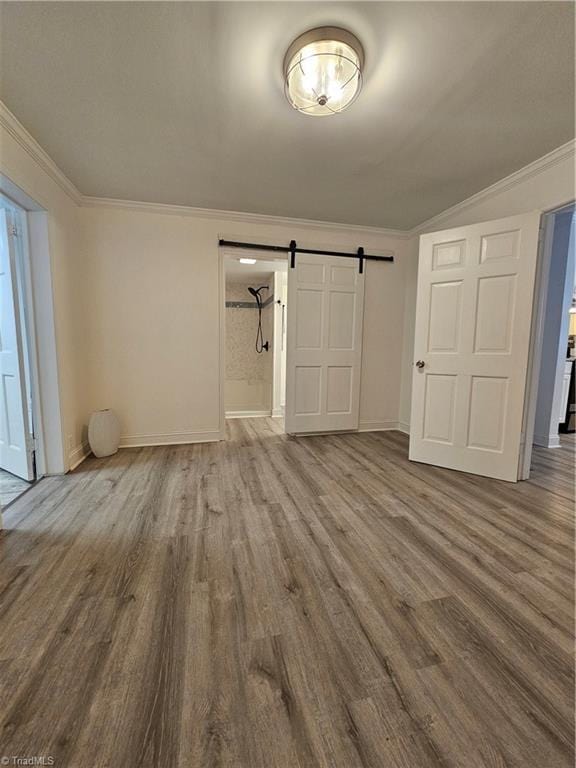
(323, 71)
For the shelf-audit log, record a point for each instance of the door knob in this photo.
(420, 364)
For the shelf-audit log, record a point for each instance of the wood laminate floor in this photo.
(11, 487)
(270, 602)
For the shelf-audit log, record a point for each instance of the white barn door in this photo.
(473, 323)
(15, 442)
(324, 344)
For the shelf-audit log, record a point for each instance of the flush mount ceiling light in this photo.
(323, 71)
(247, 261)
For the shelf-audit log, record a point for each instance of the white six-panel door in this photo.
(15, 449)
(324, 344)
(473, 319)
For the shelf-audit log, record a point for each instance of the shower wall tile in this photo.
(248, 374)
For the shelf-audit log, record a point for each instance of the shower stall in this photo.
(249, 347)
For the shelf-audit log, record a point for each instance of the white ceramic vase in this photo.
(104, 433)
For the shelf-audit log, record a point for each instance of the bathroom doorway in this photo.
(255, 293)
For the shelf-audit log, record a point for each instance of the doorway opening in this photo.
(553, 394)
(18, 418)
(255, 293)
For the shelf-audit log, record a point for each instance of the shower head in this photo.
(256, 291)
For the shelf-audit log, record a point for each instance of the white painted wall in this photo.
(545, 185)
(384, 290)
(150, 283)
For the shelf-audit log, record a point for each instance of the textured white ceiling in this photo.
(182, 103)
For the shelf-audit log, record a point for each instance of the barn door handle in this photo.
(420, 364)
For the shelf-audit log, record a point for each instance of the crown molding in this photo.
(15, 128)
(250, 218)
(558, 155)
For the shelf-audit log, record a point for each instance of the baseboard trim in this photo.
(403, 426)
(169, 438)
(77, 455)
(547, 441)
(377, 426)
(248, 414)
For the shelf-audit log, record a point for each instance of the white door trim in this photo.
(16, 445)
(277, 347)
(50, 455)
(222, 334)
(29, 313)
